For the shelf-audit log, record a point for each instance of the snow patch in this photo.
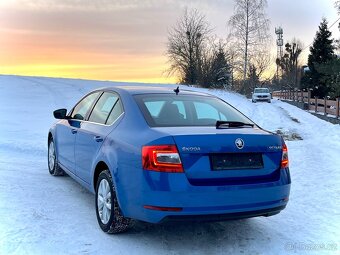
(46, 215)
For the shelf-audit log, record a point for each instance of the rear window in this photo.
(168, 110)
(261, 90)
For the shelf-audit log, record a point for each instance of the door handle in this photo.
(98, 138)
(74, 131)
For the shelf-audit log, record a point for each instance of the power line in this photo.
(334, 23)
(328, 28)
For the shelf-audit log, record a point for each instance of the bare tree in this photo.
(249, 29)
(262, 62)
(186, 41)
(232, 58)
(258, 67)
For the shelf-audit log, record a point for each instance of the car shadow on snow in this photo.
(204, 237)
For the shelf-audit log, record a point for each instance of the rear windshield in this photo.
(261, 90)
(169, 110)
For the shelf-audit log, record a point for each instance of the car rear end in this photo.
(196, 171)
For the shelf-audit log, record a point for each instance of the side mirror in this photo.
(60, 114)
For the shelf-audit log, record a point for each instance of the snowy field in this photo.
(41, 214)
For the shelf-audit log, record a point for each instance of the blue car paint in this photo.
(66, 140)
(202, 193)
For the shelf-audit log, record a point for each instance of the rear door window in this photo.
(154, 107)
(206, 111)
(115, 113)
(181, 108)
(103, 108)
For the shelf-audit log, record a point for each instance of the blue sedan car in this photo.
(155, 154)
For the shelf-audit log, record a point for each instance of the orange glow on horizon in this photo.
(38, 55)
(91, 72)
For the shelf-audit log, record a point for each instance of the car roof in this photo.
(141, 89)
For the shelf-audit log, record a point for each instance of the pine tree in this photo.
(321, 52)
(331, 76)
(221, 69)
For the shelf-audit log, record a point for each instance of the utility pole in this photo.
(279, 44)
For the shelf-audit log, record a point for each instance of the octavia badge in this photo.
(239, 143)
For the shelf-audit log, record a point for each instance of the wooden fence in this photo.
(319, 105)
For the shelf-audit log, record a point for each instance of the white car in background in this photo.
(261, 94)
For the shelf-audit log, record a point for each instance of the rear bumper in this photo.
(194, 202)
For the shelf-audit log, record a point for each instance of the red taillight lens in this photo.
(284, 160)
(161, 158)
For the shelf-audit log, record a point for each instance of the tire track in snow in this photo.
(38, 82)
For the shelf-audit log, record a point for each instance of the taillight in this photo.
(162, 158)
(284, 159)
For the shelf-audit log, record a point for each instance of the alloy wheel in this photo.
(51, 156)
(104, 201)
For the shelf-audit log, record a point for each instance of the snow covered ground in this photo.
(41, 214)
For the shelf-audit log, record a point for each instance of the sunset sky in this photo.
(123, 40)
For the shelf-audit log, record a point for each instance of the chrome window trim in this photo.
(96, 123)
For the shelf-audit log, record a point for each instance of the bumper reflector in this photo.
(158, 208)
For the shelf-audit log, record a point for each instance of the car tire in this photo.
(110, 221)
(254, 101)
(53, 165)
(269, 101)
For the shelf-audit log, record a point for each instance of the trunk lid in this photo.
(213, 156)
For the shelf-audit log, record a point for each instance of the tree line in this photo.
(198, 57)
(242, 60)
(195, 56)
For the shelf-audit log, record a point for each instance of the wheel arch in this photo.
(100, 166)
(50, 136)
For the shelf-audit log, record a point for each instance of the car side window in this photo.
(115, 113)
(206, 111)
(154, 107)
(181, 108)
(80, 110)
(103, 108)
